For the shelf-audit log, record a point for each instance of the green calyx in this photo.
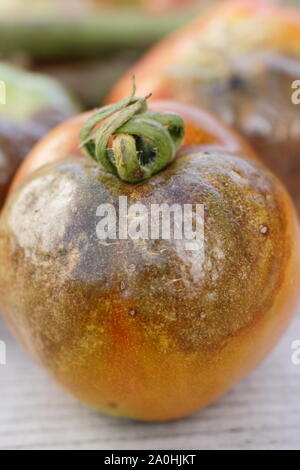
(133, 143)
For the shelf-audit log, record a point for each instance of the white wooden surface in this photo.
(263, 412)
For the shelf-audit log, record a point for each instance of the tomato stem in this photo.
(132, 142)
(46, 37)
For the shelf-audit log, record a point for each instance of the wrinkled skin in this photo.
(147, 329)
(239, 62)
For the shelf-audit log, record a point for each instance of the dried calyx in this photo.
(132, 142)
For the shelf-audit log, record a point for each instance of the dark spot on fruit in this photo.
(113, 405)
(236, 83)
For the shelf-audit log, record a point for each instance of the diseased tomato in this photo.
(145, 327)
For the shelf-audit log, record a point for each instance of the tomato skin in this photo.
(163, 339)
(239, 61)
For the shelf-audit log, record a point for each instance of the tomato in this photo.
(142, 327)
(31, 104)
(240, 62)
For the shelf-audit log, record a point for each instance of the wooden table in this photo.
(263, 412)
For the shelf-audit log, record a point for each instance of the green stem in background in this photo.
(133, 143)
(86, 36)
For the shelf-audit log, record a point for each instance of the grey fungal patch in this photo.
(264, 229)
(131, 268)
(122, 285)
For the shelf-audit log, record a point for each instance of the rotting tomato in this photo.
(240, 62)
(138, 327)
